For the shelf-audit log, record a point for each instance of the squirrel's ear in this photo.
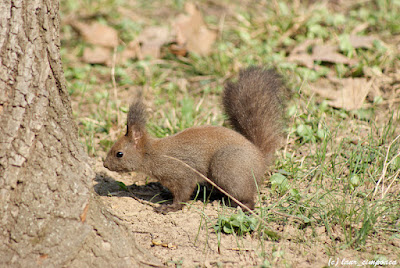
(134, 134)
(136, 126)
(137, 115)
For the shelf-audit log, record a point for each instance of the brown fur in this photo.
(234, 160)
(255, 105)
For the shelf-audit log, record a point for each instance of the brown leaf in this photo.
(303, 59)
(328, 53)
(192, 32)
(178, 50)
(362, 41)
(325, 88)
(129, 52)
(96, 33)
(303, 47)
(350, 96)
(152, 39)
(325, 53)
(84, 213)
(300, 54)
(97, 55)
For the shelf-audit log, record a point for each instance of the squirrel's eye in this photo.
(120, 154)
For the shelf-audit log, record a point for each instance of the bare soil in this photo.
(187, 239)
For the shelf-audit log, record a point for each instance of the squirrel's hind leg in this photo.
(237, 170)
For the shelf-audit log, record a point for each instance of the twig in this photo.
(221, 25)
(241, 249)
(391, 183)
(385, 166)
(114, 59)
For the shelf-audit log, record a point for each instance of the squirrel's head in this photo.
(127, 153)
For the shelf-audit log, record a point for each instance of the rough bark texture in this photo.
(48, 213)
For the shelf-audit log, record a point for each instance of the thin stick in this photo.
(114, 59)
(385, 166)
(390, 185)
(221, 25)
(229, 195)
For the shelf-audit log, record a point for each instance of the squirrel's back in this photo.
(255, 106)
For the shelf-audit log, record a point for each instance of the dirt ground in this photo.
(187, 239)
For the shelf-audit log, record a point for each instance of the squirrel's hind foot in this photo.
(164, 209)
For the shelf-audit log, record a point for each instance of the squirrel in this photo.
(236, 160)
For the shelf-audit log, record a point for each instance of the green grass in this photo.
(339, 171)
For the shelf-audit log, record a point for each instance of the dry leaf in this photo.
(192, 32)
(97, 55)
(325, 88)
(178, 50)
(152, 39)
(130, 52)
(374, 92)
(328, 53)
(300, 55)
(351, 95)
(84, 213)
(97, 34)
(303, 59)
(325, 53)
(362, 41)
(360, 27)
(303, 47)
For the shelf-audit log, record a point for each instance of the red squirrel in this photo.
(233, 159)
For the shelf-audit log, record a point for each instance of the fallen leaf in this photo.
(303, 47)
(325, 88)
(360, 27)
(192, 32)
(303, 59)
(328, 53)
(96, 33)
(130, 52)
(97, 55)
(152, 39)
(178, 50)
(362, 41)
(84, 213)
(300, 54)
(374, 92)
(350, 96)
(325, 53)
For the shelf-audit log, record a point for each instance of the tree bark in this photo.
(49, 215)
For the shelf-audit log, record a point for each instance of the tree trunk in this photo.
(48, 213)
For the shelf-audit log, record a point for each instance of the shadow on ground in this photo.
(152, 192)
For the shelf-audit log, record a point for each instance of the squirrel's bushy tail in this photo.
(255, 106)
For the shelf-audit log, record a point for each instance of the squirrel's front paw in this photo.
(164, 209)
